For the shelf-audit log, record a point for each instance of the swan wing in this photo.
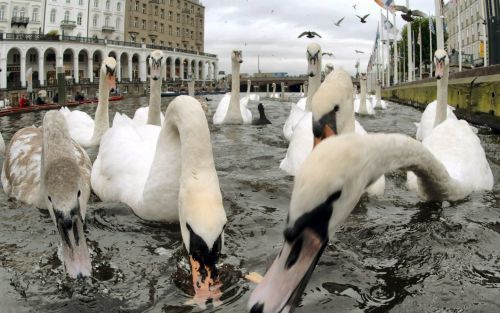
(141, 116)
(297, 111)
(80, 125)
(246, 114)
(427, 120)
(221, 111)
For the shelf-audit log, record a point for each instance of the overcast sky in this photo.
(269, 29)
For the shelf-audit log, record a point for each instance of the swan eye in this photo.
(336, 108)
(50, 199)
(79, 193)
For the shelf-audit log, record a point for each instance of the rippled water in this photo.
(394, 253)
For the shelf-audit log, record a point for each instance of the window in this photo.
(80, 2)
(96, 3)
(170, 30)
(53, 16)
(107, 4)
(156, 10)
(34, 15)
(136, 21)
(170, 15)
(21, 14)
(14, 12)
(178, 18)
(95, 20)
(143, 24)
(178, 34)
(162, 13)
(118, 22)
(79, 35)
(118, 6)
(155, 28)
(162, 28)
(106, 21)
(162, 43)
(144, 7)
(137, 5)
(66, 16)
(2, 12)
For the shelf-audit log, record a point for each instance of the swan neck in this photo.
(101, 119)
(362, 104)
(313, 86)
(442, 98)
(154, 112)
(235, 80)
(233, 114)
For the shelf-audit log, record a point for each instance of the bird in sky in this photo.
(309, 34)
(354, 6)
(359, 51)
(339, 21)
(408, 13)
(363, 19)
(330, 54)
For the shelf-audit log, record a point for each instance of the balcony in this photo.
(67, 24)
(186, 11)
(108, 29)
(19, 21)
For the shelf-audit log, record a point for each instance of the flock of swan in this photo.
(162, 167)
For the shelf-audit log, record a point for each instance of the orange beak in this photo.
(206, 285)
(327, 132)
(111, 81)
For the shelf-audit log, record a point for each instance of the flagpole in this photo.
(395, 43)
(382, 46)
(439, 25)
(414, 62)
(431, 74)
(410, 58)
(404, 62)
(420, 47)
(388, 50)
(483, 13)
(459, 37)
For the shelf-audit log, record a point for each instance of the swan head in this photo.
(313, 55)
(66, 200)
(202, 219)
(325, 191)
(108, 72)
(441, 61)
(329, 68)
(237, 56)
(332, 106)
(157, 63)
(260, 107)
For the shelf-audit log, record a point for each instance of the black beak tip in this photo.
(257, 308)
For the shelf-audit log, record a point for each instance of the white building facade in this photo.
(473, 34)
(107, 19)
(68, 17)
(21, 16)
(81, 59)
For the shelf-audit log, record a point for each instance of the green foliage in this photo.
(53, 32)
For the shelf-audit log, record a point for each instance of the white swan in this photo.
(326, 190)
(299, 110)
(2, 145)
(453, 142)
(43, 167)
(379, 103)
(173, 179)
(152, 114)
(274, 95)
(332, 114)
(251, 96)
(82, 128)
(363, 104)
(232, 109)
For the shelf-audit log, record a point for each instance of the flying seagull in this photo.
(363, 19)
(358, 51)
(354, 6)
(339, 21)
(408, 14)
(309, 34)
(327, 53)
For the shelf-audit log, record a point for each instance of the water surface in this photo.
(394, 253)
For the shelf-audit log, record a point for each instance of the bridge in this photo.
(292, 83)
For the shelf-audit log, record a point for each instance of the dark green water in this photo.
(394, 253)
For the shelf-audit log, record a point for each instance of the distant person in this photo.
(39, 101)
(23, 102)
(262, 119)
(55, 99)
(79, 97)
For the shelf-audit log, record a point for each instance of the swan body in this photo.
(152, 114)
(44, 167)
(172, 179)
(297, 111)
(232, 109)
(326, 190)
(2, 145)
(86, 131)
(453, 142)
(426, 125)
